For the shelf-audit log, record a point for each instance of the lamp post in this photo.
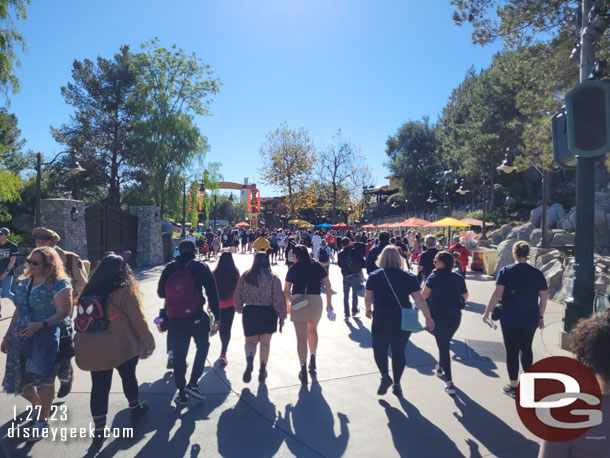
(73, 168)
(462, 191)
(508, 167)
(484, 197)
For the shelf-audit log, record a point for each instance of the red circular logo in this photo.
(559, 399)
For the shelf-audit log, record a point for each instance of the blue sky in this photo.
(365, 67)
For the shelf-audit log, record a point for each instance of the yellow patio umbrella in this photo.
(300, 223)
(447, 222)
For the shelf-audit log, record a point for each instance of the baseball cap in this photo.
(4, 231)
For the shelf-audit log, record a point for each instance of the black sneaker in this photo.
(181, 399)
(355, 312)
(170, 363)
(449, 388)
(312, 363)
(247, 374)
(510, 391)
(194, 392)
(66, 387)
(139, 410)
(439, 372)
(386, 382)
(303, 375)
(397, 389)
(99, 437)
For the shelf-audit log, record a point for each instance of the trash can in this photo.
(477, 260)
(489, 261)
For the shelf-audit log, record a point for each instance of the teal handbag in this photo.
(410, 317)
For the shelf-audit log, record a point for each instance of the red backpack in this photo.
(182, 297)
(90, 316)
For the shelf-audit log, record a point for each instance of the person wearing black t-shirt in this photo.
(8, 256)
(443, 290)
(426, 259)
(305, 278)
(523, 291)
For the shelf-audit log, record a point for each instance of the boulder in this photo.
(505, 230)
(548, 257)
(602, 197)
(554, 213)
(505, 254)
(496, 237)
(553, 272)
(562, 238)
(601, 229)
(536, 235)
(523, 232)
(536, 216)
(567, 283)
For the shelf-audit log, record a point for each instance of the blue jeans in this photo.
(5, 286)
(350, 282)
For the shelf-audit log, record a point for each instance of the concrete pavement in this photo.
(339, 414)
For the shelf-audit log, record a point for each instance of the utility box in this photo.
(562, 155)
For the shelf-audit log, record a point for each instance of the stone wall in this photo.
(67, 218)
(150, 243)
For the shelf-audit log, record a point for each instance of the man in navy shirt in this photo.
(371, 260)
(426, 259)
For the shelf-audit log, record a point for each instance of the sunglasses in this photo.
(32, 263)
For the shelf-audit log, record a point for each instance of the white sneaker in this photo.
(449, 388)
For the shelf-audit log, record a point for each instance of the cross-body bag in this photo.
(410, 317)
(299, 301)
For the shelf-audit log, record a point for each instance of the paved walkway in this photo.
(339, 414)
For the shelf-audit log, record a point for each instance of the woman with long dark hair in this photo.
(226, 276)
(303, 281)
(447, 293)
(125, 339)
(260, 290)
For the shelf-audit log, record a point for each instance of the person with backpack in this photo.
(351, 263)
(181, 286)
(111, 333)
(226, 276)
(324, 254)
(371, 259)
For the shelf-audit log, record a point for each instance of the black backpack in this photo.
(91, 316)
(323, 254)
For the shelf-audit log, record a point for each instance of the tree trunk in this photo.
(334, 204)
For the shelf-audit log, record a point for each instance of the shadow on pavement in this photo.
(419, 359)
(313, 424)
(249, 426)
(475, 307)
(162, 419)
(360, 334)
(487, 428)
(415, 435)
(466, 355)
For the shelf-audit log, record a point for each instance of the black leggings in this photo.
(518, 340)
(102, 380)
(397, 340)
(444, 329)
(226, 321)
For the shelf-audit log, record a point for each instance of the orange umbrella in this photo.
(476, 222)
(412, 222)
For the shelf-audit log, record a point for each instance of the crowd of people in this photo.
(109, 330)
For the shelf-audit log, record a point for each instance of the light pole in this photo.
(462, 192)
(73, 168)
(508, 167)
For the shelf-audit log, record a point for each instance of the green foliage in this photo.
(11, 42)
(12, 163)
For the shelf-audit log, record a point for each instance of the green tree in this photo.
(101, 129)
(172, 88)
(11, 41)
(12, 162)
(289, 158)
(414, 159)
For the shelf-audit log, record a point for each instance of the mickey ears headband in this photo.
(126, 255)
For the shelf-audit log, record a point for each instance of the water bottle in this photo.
(212, 332)
(332, 316)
